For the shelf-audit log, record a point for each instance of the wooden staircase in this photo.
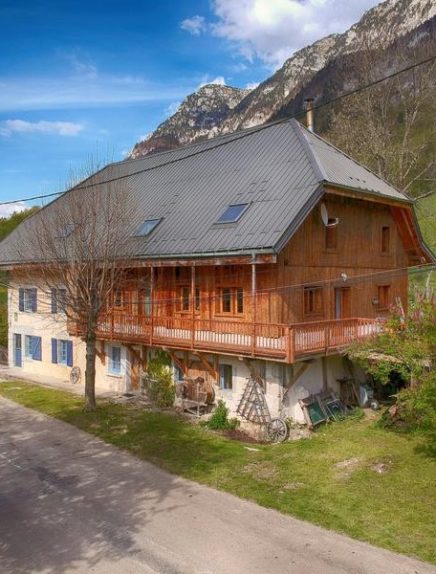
(253, 405)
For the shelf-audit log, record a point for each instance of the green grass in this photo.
(395, 509)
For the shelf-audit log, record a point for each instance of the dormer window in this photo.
(233, 213)
(147, 227)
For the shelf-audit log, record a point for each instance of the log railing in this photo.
(261, 340)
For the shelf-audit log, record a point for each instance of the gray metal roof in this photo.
(278, 169)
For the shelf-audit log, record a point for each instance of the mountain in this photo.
(334, 61)
(199, 115)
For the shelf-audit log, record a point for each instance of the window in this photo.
(233, 213)
(58, 300)
(231, 300)
(114, 363)
(185, 299)
(62, 352)
(385, 239)
(145, 302)
(32, 347)
(331, 234)
(226, 377)
(118, 298)
(226, 300)
(239, 300)
(147, 227)
(178, 373)
(27, 299)
(383, 296)
(313, 301)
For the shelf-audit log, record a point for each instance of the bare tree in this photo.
(391, 127)
(78, 243)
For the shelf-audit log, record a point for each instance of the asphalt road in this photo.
(71, 504)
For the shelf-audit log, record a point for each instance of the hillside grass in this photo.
(352, 476)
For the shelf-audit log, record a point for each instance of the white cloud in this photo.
(195, 25)
(273, 29)
(206, 79)
(9, 127)
(252, 85)
(82, 65)
(7, 210)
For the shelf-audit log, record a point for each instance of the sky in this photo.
(82, 82)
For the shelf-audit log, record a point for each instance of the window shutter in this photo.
(70, 353)
(34, 304)
(54, 303)
(21, 299)
(54, 351)
(37, 354)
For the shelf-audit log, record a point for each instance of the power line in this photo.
(229, 139)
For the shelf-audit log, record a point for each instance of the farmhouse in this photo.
(257, 254)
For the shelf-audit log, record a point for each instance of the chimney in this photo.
(308, 106)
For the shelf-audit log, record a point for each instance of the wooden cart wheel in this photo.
(277, 430)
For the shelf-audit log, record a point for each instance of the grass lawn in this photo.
(330, 479)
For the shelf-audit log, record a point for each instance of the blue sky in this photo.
(81, 80)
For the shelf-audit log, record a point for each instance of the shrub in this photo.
(161, 389)
(416, 406)
(220, 418)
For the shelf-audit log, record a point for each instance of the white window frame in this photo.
(27, 299)
(62, 344)
(110, 362)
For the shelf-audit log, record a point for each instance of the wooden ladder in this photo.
(253, 405)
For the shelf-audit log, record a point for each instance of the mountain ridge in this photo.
(216, 109)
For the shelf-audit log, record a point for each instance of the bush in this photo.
(416, 406)
(161, 390)
(220, 418)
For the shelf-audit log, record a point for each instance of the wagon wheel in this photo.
(276, 430)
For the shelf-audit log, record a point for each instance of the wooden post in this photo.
(193, 306)
(253, 304)
(324, 373)
(151, 304)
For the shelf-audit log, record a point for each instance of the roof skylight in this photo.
(233, 213)
(147, 227)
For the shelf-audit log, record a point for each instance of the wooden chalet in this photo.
(267, 249)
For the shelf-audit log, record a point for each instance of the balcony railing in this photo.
(276, 341)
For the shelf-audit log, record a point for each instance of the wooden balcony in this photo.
(264, 341)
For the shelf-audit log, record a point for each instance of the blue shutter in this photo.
(34, 304)
(37, 353)
(21, 299)
(70, 353)
(54, 302)
(54, 351)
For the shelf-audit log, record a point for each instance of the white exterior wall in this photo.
(48, 326)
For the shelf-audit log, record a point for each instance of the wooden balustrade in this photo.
(272, 340)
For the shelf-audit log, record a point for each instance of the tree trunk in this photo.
(90, 404)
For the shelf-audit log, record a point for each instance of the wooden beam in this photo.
(178, 361)
(324, 373)
(202, 261)
(213, 372)
(366, 196)
(295, 375)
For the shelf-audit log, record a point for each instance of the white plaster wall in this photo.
(49, 326)
(311, 382)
